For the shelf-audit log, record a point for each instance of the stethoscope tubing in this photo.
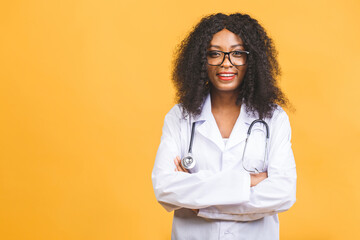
(192, 137)
(189, 163)
(266, 143)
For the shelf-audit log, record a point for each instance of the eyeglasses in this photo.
(236, 58)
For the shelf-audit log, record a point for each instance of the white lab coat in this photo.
(228, 207)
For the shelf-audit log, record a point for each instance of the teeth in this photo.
(227, 75)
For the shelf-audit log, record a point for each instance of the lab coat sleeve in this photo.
(204, 188)
(275, 194)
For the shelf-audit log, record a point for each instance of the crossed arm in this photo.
(254, 178)
(229, 194)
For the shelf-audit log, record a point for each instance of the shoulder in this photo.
(279, 114)
(176, 112)
(175, 117)
(280, 123)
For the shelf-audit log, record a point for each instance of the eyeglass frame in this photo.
(228, 54)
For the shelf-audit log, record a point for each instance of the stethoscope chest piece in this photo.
(188, 162)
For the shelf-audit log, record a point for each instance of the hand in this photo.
(196, 211)
(257, 178)
(179, 168)
(178, 165)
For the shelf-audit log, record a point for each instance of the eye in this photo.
(237, 54)
(214, 54)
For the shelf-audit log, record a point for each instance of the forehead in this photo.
(226, 38)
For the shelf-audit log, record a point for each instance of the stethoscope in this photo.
(189, 163)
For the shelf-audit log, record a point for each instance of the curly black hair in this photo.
(258, 90)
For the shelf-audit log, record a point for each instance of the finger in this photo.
(178, 160)
(179, 168)
(185, 170)
(178, 165)
(195, 211)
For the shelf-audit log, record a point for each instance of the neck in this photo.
(224, 100)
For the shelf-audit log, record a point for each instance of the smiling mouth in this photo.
(226, 76)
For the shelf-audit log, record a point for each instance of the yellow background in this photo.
(85, 86)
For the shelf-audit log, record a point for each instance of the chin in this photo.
(227, 87)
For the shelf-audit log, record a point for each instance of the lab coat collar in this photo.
(208, 128)
(206, 113)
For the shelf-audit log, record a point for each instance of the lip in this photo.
(226, 78)
(226, 73)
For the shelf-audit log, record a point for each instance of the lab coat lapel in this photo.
(239, 132)
(207, 125)
(211, 132)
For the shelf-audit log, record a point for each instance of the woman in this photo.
(225, 74)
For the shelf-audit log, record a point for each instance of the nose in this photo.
(226, 63)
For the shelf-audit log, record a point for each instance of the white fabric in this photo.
(228, 207)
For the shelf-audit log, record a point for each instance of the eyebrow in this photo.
(216, 46)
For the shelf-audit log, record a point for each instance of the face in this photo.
(226, 77)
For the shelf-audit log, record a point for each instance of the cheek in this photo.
(242, 73)
(211, 71)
